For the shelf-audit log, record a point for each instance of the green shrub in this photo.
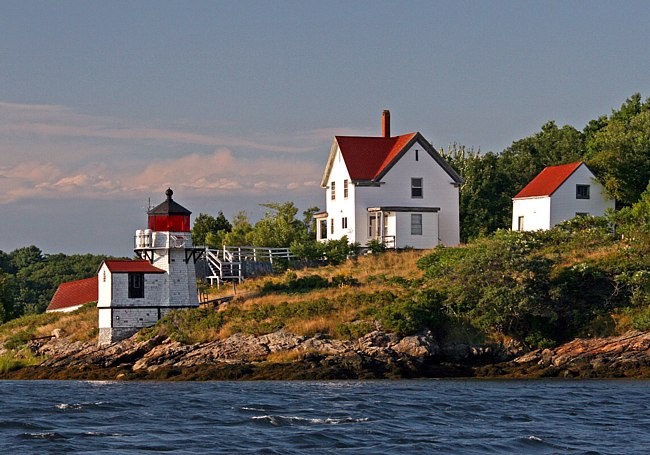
(342, 280)
(353, 330)
(411, 315)
(375, 246)
(641, 320)
(292, 284)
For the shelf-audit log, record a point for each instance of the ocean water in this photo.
(360, 417)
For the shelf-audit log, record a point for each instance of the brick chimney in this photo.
(385, 123)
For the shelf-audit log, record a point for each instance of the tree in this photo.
(309, 221)
(527, 157)
(210, 231)
(485, 194)
(619, 152)
(6, 297)
(241, 227)
(24, 257)
(279, 227)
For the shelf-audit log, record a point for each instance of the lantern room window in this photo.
(170, 223)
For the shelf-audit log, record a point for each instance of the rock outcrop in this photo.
(627, 355)
(283, 355)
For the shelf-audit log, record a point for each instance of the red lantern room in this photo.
(169, 216)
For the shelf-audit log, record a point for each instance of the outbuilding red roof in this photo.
(74, 293)
(367, 157)
(127, 265)
(549, 180)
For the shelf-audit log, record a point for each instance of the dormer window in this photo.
(582, 191)
(333, 190)
(416, 188)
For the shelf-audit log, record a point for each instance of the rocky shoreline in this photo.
(377, 355)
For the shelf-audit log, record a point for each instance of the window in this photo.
(416, 224)
(323, 229)
(582, 214)
(417, 155)
(416, 187)
(582, 191)
(332, 225)
(345, 189)
(344, 222)
(333, 189)
(136, 285)
(520, 223)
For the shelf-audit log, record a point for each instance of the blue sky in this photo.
(105, 104)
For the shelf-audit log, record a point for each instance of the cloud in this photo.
(219, 172)
(58, 121)
(51, 152)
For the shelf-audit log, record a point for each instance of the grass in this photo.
(79, 325)
(14, 360)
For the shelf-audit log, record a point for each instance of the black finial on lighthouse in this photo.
(169, 193)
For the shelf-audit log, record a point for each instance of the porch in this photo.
(401, 226)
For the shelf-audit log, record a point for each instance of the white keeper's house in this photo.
(136, 293)
(557, 194)
(394, 189)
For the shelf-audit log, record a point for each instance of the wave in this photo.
(101, 434)
(76, 406)
(278, 420)
(49, 435)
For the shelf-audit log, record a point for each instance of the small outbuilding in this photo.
(73, 295)
(557, 194)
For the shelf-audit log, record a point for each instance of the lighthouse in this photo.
(136, 293)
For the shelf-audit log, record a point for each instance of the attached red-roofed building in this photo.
(397, 190)
(557, 194)
(73, 295)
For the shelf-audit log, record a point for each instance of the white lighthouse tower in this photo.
(136, 293)
(167, 244)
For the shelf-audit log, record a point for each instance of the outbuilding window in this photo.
(520, 223)
(582, 191)
(136, 285)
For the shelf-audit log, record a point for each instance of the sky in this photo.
(103, 105)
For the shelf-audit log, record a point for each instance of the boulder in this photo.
(417, 346)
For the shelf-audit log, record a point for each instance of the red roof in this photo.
(549, 180)
(127, 265)
(74, 293)
(367, 157)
